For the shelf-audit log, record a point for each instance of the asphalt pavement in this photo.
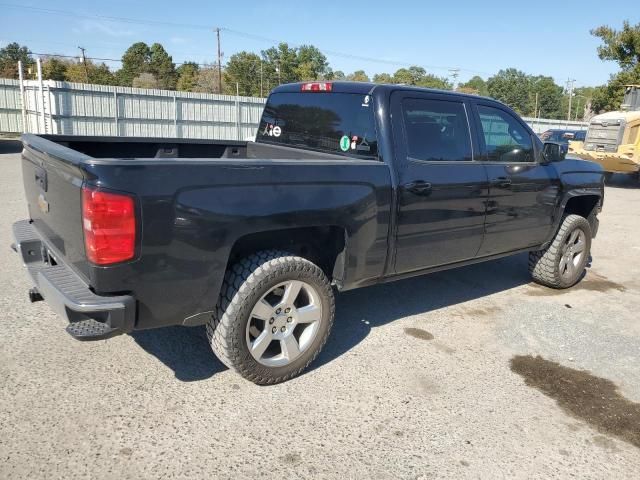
(470, 373)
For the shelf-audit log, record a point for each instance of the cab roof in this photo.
(366, 88)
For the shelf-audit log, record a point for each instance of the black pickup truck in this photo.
(346, 185)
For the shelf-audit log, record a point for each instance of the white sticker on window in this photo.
(272, 130)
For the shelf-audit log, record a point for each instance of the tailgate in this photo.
(53, 178)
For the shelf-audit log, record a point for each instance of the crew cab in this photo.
(346, 185)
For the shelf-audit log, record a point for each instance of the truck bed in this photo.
(175, 148)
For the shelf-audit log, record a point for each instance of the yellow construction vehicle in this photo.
(613, 138)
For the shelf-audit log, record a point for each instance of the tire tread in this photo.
(240, 281)
(543, 264)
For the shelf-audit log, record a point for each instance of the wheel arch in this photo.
(323, 245)
(584, 202)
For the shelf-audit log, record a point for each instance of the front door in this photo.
(442, 189)
(523, 193)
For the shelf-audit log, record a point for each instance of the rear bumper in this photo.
(90, 316)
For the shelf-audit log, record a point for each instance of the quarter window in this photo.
(436, 130)
(504, 136)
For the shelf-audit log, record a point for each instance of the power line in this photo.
(67, 13)
(350, 56)
(238, 33)
(99, 59)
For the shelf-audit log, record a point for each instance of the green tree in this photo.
(100, 74)
(511, 86)
(382, 78)
(550, 98)
(475, 85)
(358, 76)
(162, 67)
(414, 75)
(243, 68)
(9, 57)
(312, 64)
(280, 64)
(581, 105)
(55, 68)
(609, 97)
(97, 74)
(134, 62)
(431, 81)
(404, 76)
(337, 75)
(187, 76)
(622, 47)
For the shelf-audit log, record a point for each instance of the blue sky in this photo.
(541, 37)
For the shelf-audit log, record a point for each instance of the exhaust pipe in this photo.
(34, 295)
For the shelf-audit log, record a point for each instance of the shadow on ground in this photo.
(10, 146)
(187, 352)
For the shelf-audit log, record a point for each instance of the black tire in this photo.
(245, 284)
(545, 265)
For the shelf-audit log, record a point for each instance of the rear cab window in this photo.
(436, 130)
(331, 122)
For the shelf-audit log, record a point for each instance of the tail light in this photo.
(316, 87)
(109, 224)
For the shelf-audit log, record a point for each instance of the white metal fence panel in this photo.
(82, 109)
(539, 125)
(10, 116)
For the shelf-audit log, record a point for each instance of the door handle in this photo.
(419, 187)
(501, 182)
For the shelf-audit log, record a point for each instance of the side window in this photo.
(436, 130)
(506, 139)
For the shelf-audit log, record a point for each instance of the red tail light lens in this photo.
(109, 224)
(317, 87)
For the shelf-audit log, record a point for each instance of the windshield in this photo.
(337, 123)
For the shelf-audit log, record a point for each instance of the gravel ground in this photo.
(414, 383)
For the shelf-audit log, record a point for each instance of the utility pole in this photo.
(570, 84)
(219, 62)
(454, 74)
(261, 95)
(535, 110)
(83, 59)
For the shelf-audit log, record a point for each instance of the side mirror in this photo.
(554, 152)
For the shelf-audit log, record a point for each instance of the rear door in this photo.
(442, 188)
(523, 193)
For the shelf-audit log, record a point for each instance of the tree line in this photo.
(253, 74)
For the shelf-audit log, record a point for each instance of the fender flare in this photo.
(562, 205)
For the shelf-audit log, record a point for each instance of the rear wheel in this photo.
(274, 316)
(562, 264)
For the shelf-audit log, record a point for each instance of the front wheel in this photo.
(562, 264)
(274, 316)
